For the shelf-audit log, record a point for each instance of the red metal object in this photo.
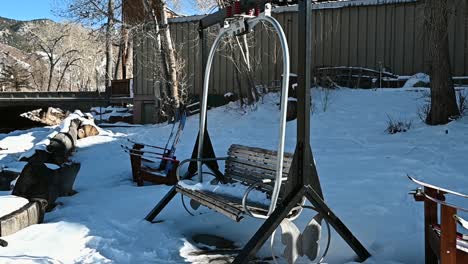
(237, 8)
(229, 13)
(257, 10)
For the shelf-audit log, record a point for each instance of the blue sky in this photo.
(26, 9)
(34, 9)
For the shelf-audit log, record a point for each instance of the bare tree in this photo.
(443, 99)
(70, 60)
(50, 44)
(168, 63)
(237, 50)
(103, 14)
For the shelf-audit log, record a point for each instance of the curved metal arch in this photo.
(284, 101)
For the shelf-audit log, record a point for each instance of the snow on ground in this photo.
(362, 169)
(11, 203)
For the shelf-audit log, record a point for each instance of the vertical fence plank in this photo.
(353, 36)
(408, 51)
(419, 39)
(371, 37)
(400, 28)
(327, 36)
(362, 30)
(345, 47)
(336, 36)
(380, 40)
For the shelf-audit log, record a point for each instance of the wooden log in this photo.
(30, 214)
(87, 131)
(50, 116)
(6, 177)
(38, 181)
(59, 149)
(63, 144)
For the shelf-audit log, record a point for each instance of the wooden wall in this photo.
(372, 33)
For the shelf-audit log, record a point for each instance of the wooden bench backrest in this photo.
(251, 165)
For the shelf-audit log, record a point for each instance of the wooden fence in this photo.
(366, 33)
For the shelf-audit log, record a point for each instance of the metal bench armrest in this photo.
(246, 194)
(192, 160)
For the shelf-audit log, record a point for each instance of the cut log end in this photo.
(87, 131)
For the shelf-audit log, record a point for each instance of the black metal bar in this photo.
(336, 223)
(160, 206)
(268, 227)
(208, 152)
(303, 90)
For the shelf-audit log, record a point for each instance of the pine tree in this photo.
(14, 76)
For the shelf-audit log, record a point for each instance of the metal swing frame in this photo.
(303, 182)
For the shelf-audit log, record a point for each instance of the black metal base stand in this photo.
(269, 226)
(208, 152)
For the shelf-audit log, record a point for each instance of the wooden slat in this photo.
(256, 164)
(345, 37)
(400, 28)
(214, 204)
(418, 45)
(353, 36)
(246, 149)
(371, 38)
(448, 238)
(319, 33)
(328, 37)
(362, 32)
(249, 165)
(336, 35)
(227, 205)
(259, 158)
(408, 52)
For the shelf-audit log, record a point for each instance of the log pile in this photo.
(48, 174)
(51, 117)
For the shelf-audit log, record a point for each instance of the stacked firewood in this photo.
(49, 172)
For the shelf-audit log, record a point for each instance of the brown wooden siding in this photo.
(390, 35)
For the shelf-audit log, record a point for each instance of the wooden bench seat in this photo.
(249, 166)
(230, 206)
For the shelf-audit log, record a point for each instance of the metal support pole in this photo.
(303, 92)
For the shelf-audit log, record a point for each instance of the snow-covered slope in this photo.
(362, 170)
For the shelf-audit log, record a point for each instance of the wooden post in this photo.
(448, 237)
(430, 218)
(135, 160)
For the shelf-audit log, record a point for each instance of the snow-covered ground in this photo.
(362, 169)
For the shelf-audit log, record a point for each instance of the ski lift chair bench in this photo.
(253, 167)
(442, 242)
(287, 183)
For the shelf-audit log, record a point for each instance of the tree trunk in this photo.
(443, 100)
(51, 74)
(169, 52)
(125, 51)
(109, 52)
